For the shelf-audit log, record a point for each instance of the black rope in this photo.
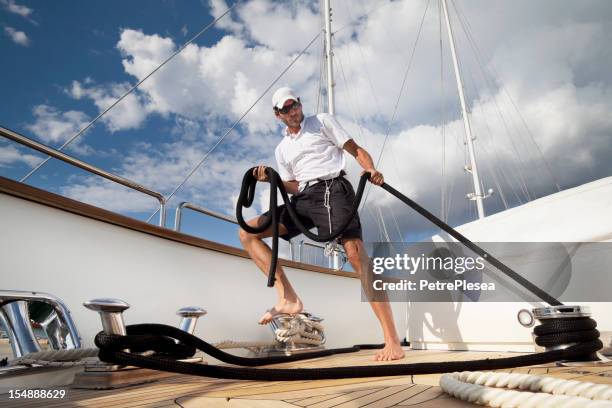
(162, 339)
(578, 336)
(112, 351)
(247, 195)
(478, 250)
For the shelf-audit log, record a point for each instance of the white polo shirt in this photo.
(315, 152)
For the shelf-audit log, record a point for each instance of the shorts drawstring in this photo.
(326, 202)
(331, 246)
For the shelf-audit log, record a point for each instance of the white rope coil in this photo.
(57, 358)
(301, 330)
(497, 389)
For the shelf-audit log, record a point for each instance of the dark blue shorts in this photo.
(309, 206)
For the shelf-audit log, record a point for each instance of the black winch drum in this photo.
(544, 314)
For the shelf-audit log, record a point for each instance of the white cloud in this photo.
(162, 168)
(553, 61)
(203, 82)
(285, 27)
(10, 155)
(15, 8)
(55, 127)
(572, 126)
(18, 37)
(217, 8)
(21, 10)
(130, 113)
(111, 196)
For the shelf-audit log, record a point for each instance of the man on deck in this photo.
(311, 164)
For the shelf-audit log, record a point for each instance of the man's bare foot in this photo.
(391, 351)
(280, 308)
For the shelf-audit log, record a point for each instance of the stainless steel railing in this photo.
(16, 137)
(336, 261)
(58, 324)
(179, 211)
(179, 214)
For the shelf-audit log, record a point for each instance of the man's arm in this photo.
(292, 187)
(365, 160)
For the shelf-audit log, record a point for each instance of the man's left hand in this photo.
(376, 177)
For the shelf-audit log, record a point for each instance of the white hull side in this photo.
(581, 214)
(78, 258)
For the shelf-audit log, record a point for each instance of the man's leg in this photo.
(358, 257)
(260, 253)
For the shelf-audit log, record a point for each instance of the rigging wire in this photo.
(468, 114)
(474, 117)
(365, 67)
(321, 61)
(378, 110)
(228, 131)
(521, 178)
(359, 19)
(351, 106)
(129, 91)
(373, 216)
(498, 160)
(382, 221)
(496, 75)
(399, 232)
(467, 29)
(398, 98)
(548, 167)
(443, 208)
(372, 90)
(495, 152)
(348, 11)
(459, 150)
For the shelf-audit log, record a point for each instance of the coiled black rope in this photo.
(553, 332)
(141, 336)
(247, 195)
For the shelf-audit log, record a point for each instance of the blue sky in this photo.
(76, 40)
(546, 66)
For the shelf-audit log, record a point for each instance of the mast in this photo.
(333, 250)
(473, 169)
(331, 107)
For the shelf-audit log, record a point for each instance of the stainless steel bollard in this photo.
(110, 313)
(189, 318)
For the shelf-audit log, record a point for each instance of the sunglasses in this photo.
(286, 109)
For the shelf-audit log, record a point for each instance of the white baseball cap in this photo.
(282, 95)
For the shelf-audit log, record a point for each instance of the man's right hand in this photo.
(259, 173)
